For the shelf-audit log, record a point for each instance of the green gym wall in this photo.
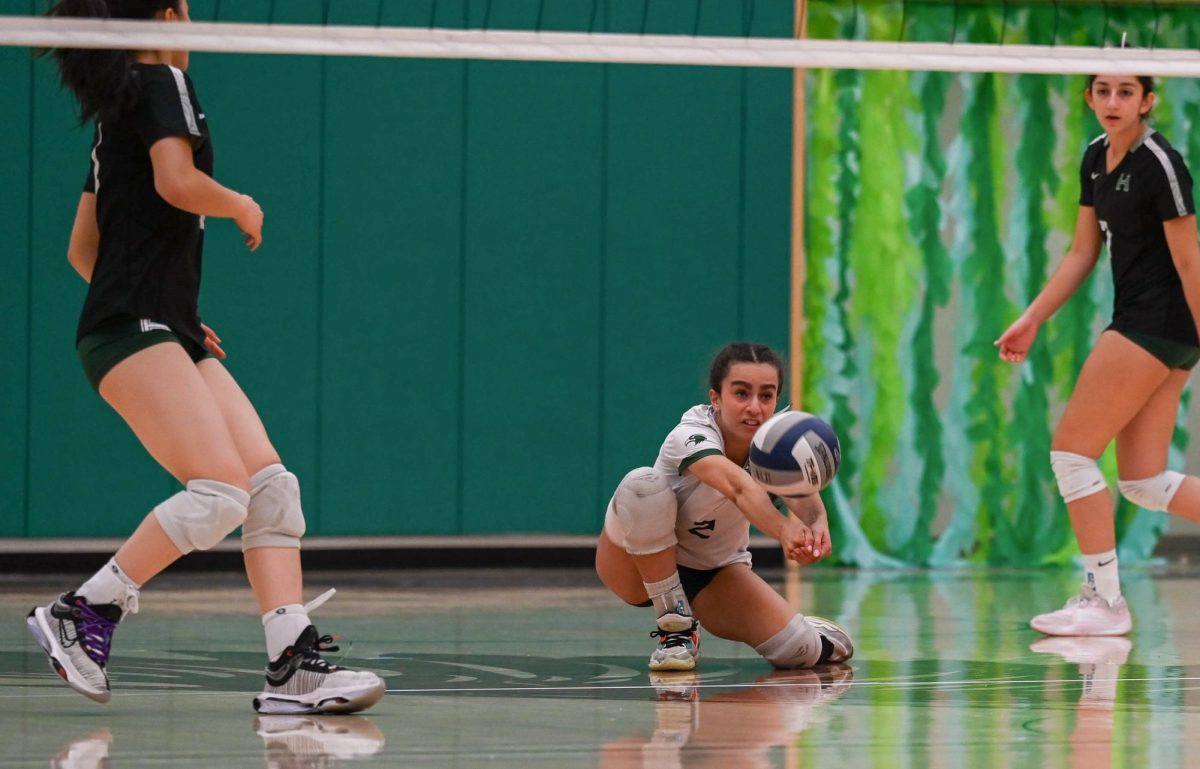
(488, 289)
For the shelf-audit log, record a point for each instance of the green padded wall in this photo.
(486, 290)
(15, 224)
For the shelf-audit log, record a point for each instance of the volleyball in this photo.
(794, 454)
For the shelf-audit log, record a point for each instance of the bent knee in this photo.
(275, 517)
(1153, 493)
(1078, 476)
(203, 514)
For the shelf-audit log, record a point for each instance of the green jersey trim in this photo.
(687, 461)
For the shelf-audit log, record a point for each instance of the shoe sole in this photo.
(60, 663)
(676, 663)
(334, 703)
(1058, 633)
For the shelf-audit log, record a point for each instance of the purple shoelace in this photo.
(93, 631)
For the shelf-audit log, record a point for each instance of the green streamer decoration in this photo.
(938, 205)
(1037, 528)
(880, 248)
(924, 448)
(831, 208)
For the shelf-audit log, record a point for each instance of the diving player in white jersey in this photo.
(676, 535)
(1136, 198)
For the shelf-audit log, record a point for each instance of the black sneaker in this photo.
(301, 681)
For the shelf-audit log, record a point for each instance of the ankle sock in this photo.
(1100, 571)
(111, 585)
(282, 627)
(667, 596)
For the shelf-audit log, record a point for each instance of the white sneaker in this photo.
(301, 681)
(312, 741)
(836, 645)
(677, 649)
(77, 637)
(1086, 614)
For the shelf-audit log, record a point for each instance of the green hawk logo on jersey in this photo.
(696, 439)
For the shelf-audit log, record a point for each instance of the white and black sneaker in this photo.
(836, 645)
(677, 649)
(77, 636)
(302, 682)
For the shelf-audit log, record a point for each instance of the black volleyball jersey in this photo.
(149, 261)
(1149, 186)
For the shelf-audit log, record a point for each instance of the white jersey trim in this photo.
(95, 157)
(188, 113)
(1161, 154)
(151, 325)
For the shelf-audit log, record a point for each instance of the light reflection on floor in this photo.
(543, 669)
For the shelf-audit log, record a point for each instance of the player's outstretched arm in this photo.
(1016, 340)
(736, 485)
(811, 512)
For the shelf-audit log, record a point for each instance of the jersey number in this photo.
(1107, 235)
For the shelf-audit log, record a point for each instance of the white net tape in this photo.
(35, 31)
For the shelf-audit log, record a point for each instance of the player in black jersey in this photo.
(137, 240)
(1136, 199)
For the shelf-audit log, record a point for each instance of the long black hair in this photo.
(101, 79)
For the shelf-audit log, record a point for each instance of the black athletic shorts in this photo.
(693, 581)
(113, 342)
(1172, 354)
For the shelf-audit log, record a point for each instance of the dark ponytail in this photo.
(101, 79)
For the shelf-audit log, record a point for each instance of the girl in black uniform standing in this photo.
(1136, 199)
(137, 240)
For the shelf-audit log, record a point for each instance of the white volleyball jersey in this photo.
(711, 530)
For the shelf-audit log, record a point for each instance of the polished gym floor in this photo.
(542, 668)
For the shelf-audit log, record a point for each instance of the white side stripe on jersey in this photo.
(150, 325)
(95, 159)
(1161, 154)
(185, 102)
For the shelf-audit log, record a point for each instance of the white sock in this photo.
(1100, 571)
(283, 626)
(667, 596)
(111, 585)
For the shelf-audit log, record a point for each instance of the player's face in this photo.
(1119, 102)
(748, 398)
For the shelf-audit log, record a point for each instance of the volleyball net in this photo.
(328, 39)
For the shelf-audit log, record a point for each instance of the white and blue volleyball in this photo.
(794, 454)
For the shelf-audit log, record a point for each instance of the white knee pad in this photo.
(1078, 476)
(275, 518)
(798, 645)
(203, 514)
(641, 516)
(1153, 493)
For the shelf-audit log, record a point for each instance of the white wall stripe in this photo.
(185, 102)
(1161, 154)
